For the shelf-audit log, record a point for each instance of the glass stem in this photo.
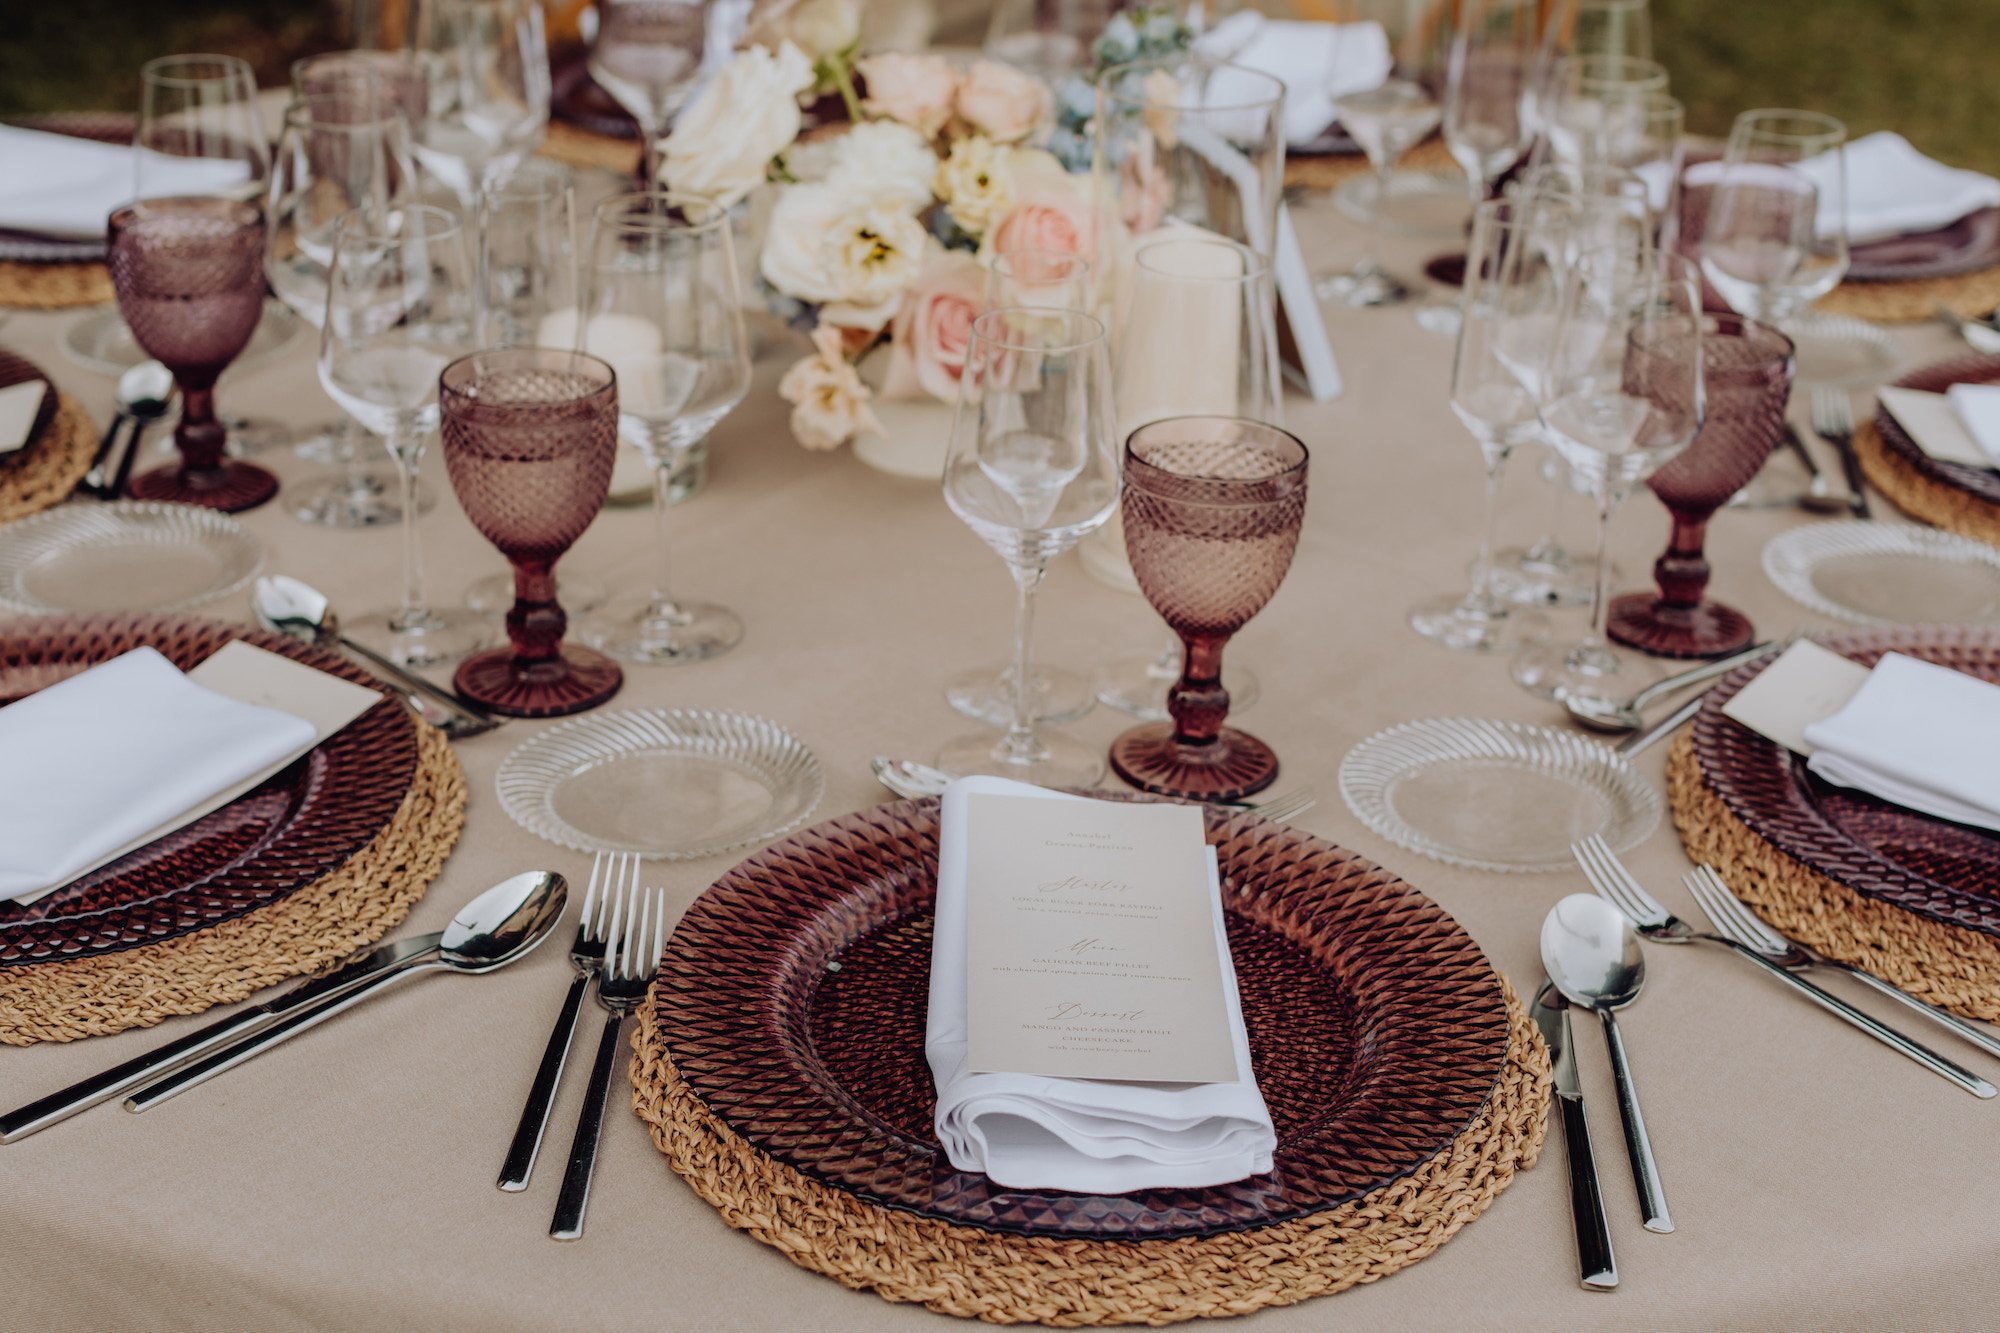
(1607, 501)
(407, 454)
(1020, 744)
(1549, 550)
(1373, 263)
(1482, 568)
(663, 500)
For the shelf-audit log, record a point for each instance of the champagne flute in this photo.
(1030, 471)
(646, 56)
(486, 65)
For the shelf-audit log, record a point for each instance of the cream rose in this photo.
(723, 142)
(829, 401)
(915, 90)
(976, 182)
(934, 328)
(1051, 210)
(1003, 103)
(853, 255)
(820, 28)
(887, 160)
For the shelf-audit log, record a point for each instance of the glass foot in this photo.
(1362, 289)
(232, 487)
(1589, 671)
(692, 632)
(1232, 766)
(1054, 694)
(1467, 625)
(366, 500)
(494, 594)
(1640, 620)
(1138, 685)
(575, 680)
(1056, 760)
(1542, 575)
(432, 640)
(333, 442)
(1444, 318)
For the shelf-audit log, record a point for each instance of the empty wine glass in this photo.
(1591, 104)
(383, 82)
(660, 304)
(1030, 471)
(1622, 397)
(527, 256)
(401, 307)
(1050, 39)
(1212, 513)
(646, 55)
(1486, 97)
(486, 65)
(1048, 279)
(199, 130)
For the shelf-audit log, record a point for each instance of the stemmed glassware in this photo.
(1621, 398)
(1487, 93)
(646, 55)
(400, 307)
(530, 437)
(1212, 513)
(660, 304)
(1030, 471)
(1595, 104)
(486, 63)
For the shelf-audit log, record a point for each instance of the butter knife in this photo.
(1596, 1268)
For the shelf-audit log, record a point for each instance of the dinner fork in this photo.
(1735, 919)
(608, 870)
(1614, 883)
(633, 943)
(1833, 421)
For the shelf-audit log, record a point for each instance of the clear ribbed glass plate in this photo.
(128, 556)
(1886, 573)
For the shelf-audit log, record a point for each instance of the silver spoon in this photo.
(1592, 954)
(302, 611)
(500, 926)
(1626, 714)
(1978, 334)
(145, 392)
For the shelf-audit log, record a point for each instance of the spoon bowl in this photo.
(505, 923)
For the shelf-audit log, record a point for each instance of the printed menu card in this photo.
(1092, 943)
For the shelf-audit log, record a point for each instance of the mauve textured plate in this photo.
(103, 126)
(1977, 369)
(793, 998)
(1967, 246)
(289, 832)
(1946, 872)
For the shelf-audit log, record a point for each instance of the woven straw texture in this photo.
(1972, 295)
(1920, 495)
(1326, 173)
(54, 286)
(46, 471)
(1007, 1279)
(316, 927)
(1956, 969)
(581, 148)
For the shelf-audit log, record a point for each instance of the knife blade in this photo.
(1596, 1268)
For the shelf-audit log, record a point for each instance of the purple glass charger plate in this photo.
(1968, 245)
(1945, 872)
(577, 99)
(105, 127)
(1982, 483)
(793, 1000)
(293, 829)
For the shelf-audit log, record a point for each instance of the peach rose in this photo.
(934, 328)
(1050, 211)
(829, 401)
(1003, 103)
(916, 90)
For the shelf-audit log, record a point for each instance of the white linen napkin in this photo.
(20, 404)
(61, 186)
(1894, 190)
(1316, 62)
(1082, 1135)
(1919, 735)
(1977, 407)
(96, 761)
(1935, 427)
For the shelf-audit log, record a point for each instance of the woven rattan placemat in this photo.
(54, 286)
(1920, 495)
(581, 148)
(1012, 1279)
(1327, 173)
(315, 927)
(44, 472)
(1970, 294)
(1939, 964)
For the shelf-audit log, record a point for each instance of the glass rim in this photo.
(608, 212)
(1282, 478)
(1272, 102)
(996, 318)
(1656, 79)
(300, 113)
(1830, 129)
(186, 203)
(543, 358)
(232, 67)
(1255, 269)
(375, 222)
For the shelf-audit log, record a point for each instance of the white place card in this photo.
(20, 404)
(1806, 684)
(1931, 423)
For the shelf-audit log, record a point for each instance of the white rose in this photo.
(975, 182)
(853, 255)
(824, 28)
(829, 401)
(890, 161)
(723, 142)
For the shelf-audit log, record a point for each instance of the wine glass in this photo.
(1487, 99)
(1591, 28)
(1513, 289)
(1622, 397)
(400, 307)
(199, 130)
(1746, 370)
(1030, 471)
(530, 436)
(486, 65)
(1212, 513)
(1594, 102)
(1047, 279)
(384, 82)
(646, 56)
(660, 304)
(1050, 39)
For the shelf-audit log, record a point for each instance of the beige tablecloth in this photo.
(346, 1181)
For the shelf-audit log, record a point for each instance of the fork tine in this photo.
(590, 894)
(1615, 884)
(612, 937)
(1649, 905)
(1748, 927)
(1705, 898)
(1586, 857)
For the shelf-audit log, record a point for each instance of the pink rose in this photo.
(929, 338)
(914, 89)
(1049, 213)
(1003, 103)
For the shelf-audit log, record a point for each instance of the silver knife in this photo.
(121, 1079)
(1596, 1268)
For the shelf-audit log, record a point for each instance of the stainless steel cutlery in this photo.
(1597, 1269)
(1833, 421)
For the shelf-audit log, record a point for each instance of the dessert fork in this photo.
(1833, 421)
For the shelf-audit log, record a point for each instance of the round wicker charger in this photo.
(1920, 495)
(576, 147)
(1009, 1279)
(1970, 294)
(1939, 964)
(54, 286)
(306, 931)
(1327, 173)
(45, 471)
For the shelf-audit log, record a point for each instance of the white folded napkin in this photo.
(1894, 190)
(20, 404)
(1977, 407)
(1932, 424)
(1083, 1135)
(1316, 62)
(97, 761)
(1918, 735)
(61, 186)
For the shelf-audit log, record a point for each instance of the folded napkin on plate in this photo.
(20, 408)
(1936, 427)
(101, 759)
(1918, 735)
(1031, 1132)
(1893, 190)
(1977, 407)
(62, 186)
(1316, 62)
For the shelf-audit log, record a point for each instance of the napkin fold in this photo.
(1317, 62)
(1894, 190)
(20, 406)
(1935, 426)
(1977, 407)
(1918, 735)
(64, 187)
(1080, 1135)
(106, 756)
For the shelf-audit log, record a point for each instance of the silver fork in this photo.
(1833, 421)
(1735, 919)
(1614, 883)
(607, 870)
(632, 946)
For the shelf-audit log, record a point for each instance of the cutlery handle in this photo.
(1595, 1266)
(443, 697)
(1883, 1033)
(1850, 467)
(1798, 446)
(1722, 666)
(121, 469)
(1985, 1041)
(1659, 731)
(567, 1224)
(527, 1143)
(1645, 1171)
(97, 481)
